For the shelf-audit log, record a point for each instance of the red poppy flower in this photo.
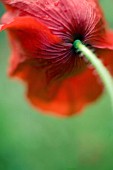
(42, 33)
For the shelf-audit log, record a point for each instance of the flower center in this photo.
(78, 37)
(76, 50)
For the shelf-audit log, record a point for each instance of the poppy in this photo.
(59, 81)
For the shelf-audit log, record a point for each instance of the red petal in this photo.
(72, 96)
(31, 34)
(65, 19)
(107, 58)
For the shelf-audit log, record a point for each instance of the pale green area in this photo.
(33, 141)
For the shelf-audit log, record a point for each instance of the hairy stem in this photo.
(104, 74)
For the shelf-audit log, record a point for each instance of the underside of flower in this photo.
(42, 33)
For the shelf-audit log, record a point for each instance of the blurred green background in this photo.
(33, 141)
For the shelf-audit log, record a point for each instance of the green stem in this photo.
(98, 65)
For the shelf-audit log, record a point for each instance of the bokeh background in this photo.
(33, 141)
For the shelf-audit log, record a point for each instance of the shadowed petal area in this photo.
(72, 96)
(106, 42)
(66, 97)
(33, 40)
